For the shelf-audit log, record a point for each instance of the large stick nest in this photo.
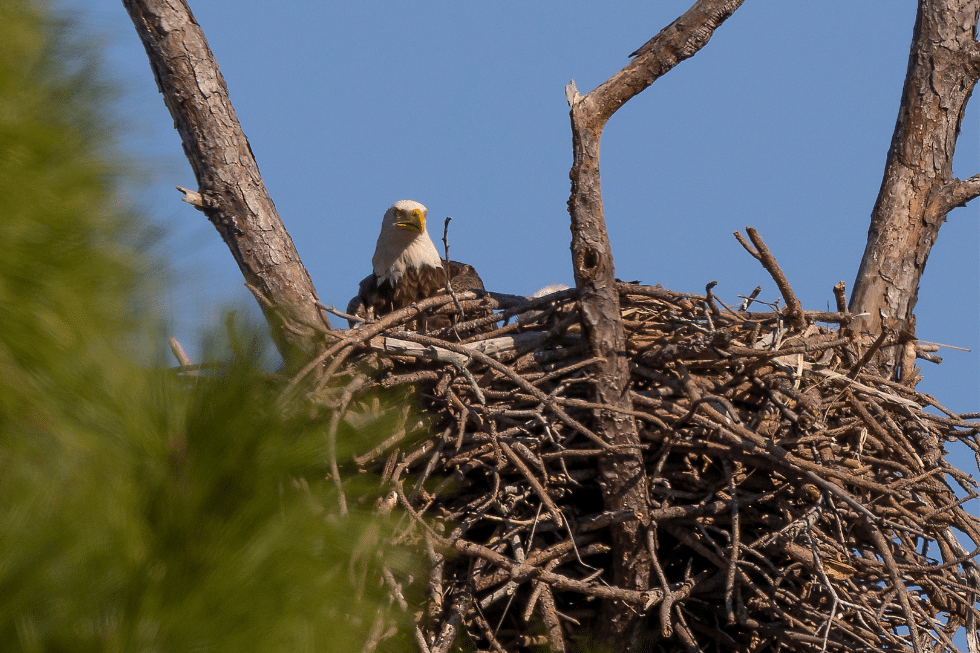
(797, 500)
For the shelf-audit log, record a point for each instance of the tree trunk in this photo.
(622, 475)
(918, 188)
(233, 196)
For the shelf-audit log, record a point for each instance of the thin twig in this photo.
(764, 256)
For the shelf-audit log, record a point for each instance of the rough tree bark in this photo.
(622, 474)
(233, 196)
(918, 188)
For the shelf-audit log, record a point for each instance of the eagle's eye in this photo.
(418, 214)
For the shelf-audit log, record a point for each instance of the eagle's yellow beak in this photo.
(414, 221)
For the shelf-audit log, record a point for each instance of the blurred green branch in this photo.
(141, 511)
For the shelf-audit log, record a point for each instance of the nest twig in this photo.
(797, 500)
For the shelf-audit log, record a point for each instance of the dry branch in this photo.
(762, 254)
(918, 188)
(622, 474)
(231, 192)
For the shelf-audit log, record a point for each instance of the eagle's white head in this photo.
(403, 242)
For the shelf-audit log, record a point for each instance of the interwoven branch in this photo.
(796, 503)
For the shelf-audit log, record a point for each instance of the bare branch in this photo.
(764, 256)
(953, 194)
(231, 191)
(182, 358)
(622, 475)
(678, 41)
(918, 187)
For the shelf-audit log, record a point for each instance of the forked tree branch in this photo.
(232, 193)
(953, 194)
(622, 474)
(918, 188)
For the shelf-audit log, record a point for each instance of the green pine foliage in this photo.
(140, 511)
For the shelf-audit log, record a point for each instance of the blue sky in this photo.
(781, 122)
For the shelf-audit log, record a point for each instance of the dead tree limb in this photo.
(918, 188)
(233, 196)
(762, 254)
(622, 475)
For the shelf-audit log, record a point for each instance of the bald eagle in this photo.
(408, 268)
